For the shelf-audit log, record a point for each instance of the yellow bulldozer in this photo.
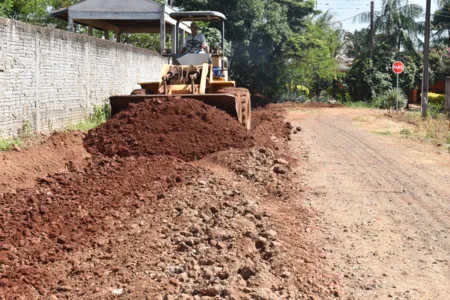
(201, 76)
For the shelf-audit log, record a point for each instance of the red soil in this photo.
(183, 128)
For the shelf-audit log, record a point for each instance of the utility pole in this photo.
(426, 52)
(372, 34)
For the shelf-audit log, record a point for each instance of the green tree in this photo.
(257, 31)
(368, 78)
(360, 40)
(312, 53)
(397, 22)
(441, 23)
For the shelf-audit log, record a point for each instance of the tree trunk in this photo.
(334, 89)
(317, 87)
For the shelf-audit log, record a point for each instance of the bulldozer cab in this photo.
(217, 59)
(202, 76)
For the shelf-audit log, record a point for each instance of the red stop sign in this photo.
(398, 67)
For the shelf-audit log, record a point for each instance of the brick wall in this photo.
(51, 78)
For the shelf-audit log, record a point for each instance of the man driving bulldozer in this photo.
(195, 43)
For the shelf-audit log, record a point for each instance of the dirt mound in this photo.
(20, 167)
(183, 128)
(119, 229)
(261, 100)
(43, 227)
(269, 126)
(152, 226)
(314, 104)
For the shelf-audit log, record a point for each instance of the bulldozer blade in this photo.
(224, 102)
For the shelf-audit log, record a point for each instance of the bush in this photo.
(302, 90)
(436, 102)
(293, 96)
(343, 95)
(436, 99)
(324, 97)
(387, 100)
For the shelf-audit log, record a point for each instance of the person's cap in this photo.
(194, 25)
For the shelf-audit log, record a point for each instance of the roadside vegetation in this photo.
(99, 115)
(27, 137)
(433, 129)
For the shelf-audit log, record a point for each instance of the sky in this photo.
(344, 10)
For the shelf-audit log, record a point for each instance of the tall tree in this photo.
(312, 52)
(258, 31)
(441, 23)
(397, 22)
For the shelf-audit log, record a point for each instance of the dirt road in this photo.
(384, 207)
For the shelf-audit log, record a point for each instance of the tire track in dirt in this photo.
(384, 223)
(396, 174)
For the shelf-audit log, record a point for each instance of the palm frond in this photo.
(411, 10)
(362, 18)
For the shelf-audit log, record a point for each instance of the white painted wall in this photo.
(51, 78)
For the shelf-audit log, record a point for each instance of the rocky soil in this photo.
(146, 219)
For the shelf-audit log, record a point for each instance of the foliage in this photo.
(432, 129)
(36, 12)
(343, 95)
(368, 78)
(359, 104)
(146, 41)
(7, 144)
(25, 136)
(387, 100)
(99, 115)
(436, 102)
(257, 31)
(396, 22)
(441, 23)
(312, 53)
(293, 96)
(302, 90)
(360, 41)
(436, 98)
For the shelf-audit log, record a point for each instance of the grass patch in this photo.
(434, 129)
(387, 132)
(100, 115)
(26, 137)
(7, 144)
(360, 119)
(405, 132)
(358, 104)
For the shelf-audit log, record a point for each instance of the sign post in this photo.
(398, 68)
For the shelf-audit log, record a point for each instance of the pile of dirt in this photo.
(19, 168)
(183, 128)
(261, 100)
(139, 222)
(315, 104)
(43, 227)
(158, 228)
(269, 128)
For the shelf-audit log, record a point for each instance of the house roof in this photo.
(131, 16)
(198, 15)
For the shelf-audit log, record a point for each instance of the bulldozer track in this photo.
(243, 104)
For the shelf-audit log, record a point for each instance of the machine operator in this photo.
(195, 43)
